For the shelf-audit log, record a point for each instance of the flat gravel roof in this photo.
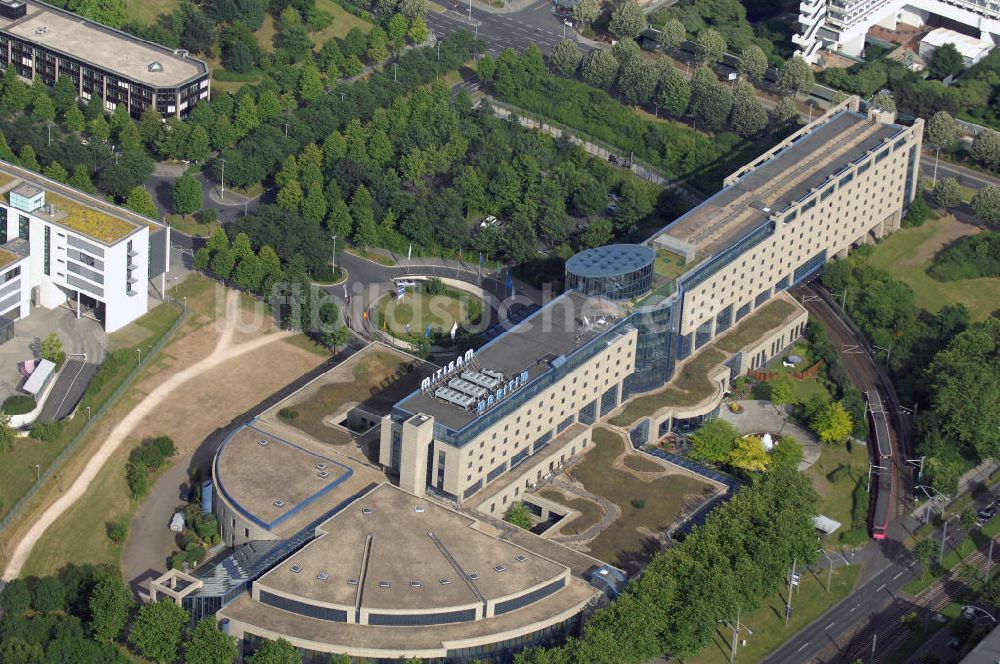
(409, 539)
(102, 46)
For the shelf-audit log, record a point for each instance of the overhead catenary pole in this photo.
(788, 603)
(989, 561)
(944, 536)
(736, 631)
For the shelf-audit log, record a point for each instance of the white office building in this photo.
(61, 247)
(841, 25)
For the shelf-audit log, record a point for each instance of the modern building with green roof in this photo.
(61, 247)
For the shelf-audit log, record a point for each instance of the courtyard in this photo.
(651, 495)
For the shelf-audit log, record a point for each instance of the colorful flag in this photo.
(409, 252)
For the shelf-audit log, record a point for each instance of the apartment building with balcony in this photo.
(841, 25)
(42, 41)
(60, 247)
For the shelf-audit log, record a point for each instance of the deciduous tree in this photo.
(709, 47)
(566, 57)
(674, 94)
(948, 193)
(110, 604)
(207, 645)
(986, 205)
(627, 20)
(753, 63)
(749, 454)
(156, 632)
(714, 441)
(276, 652)
(796, 76)
(941, 131)
(986, 149)
(947, 61)
(140, 202)
(601, 69)
(672, 34)
(833, 424)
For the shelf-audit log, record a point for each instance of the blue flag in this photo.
(510, 282)
(427, 332)
(480, 259)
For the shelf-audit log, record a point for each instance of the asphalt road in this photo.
(968, 177)
(532, 25)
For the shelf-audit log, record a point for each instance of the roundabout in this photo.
(428, 310)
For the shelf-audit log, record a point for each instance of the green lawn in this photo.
(669, 264)
(17, 468)
(342, 22)
(419, 309)
(768, 623)
(187, 223)
(625, 543)
(689, 386)
(835, 497)
(146, 11)
(803, 390)
(907, 253)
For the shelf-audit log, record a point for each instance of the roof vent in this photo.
(322, 576)
(419, 509)
(474, 576)
(499, 569)
(323, 474)
(155, 66)
(383, 584)
(414, 584)
(279, 503)
(320, 466)
(352, 582)
(521, 558)
(296, 569)
(264, 442)
(367, 511)
(444, 582)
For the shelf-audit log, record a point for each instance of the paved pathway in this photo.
(611, 513)
(762, 417)
(225, 350)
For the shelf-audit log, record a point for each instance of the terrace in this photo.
(6, 258)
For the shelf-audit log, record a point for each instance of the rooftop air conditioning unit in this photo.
(279, 503)
(296, 569)
(322, 576)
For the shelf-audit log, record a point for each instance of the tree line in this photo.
(949, 366)
(742, 554)
(87, 614)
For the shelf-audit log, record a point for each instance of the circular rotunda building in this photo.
(615, 271)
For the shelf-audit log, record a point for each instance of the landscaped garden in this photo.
(834, 477)
(590, 512)
(689, 386)
(647, 507)
(427, 312)
(375, 381)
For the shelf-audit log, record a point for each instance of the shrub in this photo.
(637, 503)
(147, 455)
(137, 476)
(434, 286)
(19, 404)
(859, 505)
(165, 445)
(288, 414)
(518, 515)
(46, 432)
(971, 257)
(117, 531)
(854, 537)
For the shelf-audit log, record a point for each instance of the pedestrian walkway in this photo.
(760, 416)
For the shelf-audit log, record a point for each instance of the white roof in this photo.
(36, 381)
(825, 524)
(969, 47)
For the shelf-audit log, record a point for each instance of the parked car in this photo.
(488, 221)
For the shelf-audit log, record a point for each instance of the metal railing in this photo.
(93, 420)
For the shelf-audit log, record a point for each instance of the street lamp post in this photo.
(333, 258)
(38, 471)
(88, 413)
(222, 183)
(138, 352)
